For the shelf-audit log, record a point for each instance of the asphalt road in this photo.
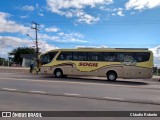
(21, 91)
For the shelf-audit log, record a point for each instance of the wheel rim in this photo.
(58, 74)
(111, 77)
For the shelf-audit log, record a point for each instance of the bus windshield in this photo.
(48, 57)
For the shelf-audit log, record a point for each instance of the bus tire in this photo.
(111, 76)
(58, 73)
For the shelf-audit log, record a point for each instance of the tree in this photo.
(21, 50)
(2, 61)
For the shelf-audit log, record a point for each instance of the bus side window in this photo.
(94, 56)
(65, 56)
(109, 56)
(121, 57)
(75, 57)
(139, 59)
(129, 57)
(69, 57)
(61, 57)
(80, 56)
(142, 56)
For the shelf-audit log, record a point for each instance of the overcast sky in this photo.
(74, 23)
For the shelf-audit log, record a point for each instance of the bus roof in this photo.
(105, 49)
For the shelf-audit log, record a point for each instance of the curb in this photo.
(24, 68)
(14, 69)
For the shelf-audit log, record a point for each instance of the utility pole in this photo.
(37, 49)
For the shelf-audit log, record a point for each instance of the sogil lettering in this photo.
(88, 64)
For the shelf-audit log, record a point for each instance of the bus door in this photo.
(64, 60)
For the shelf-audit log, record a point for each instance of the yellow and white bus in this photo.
(130, 63)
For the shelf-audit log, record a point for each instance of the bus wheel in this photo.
(58, 73)
(111, 76)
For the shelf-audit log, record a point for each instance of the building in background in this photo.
(28, 59)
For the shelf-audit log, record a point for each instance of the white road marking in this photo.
(114, 98)
(37, 91)
(9, 89)
(68, 82)
(71, 94)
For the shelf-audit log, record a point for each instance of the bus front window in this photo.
(48, 57)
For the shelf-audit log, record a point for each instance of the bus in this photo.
(112, 63)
